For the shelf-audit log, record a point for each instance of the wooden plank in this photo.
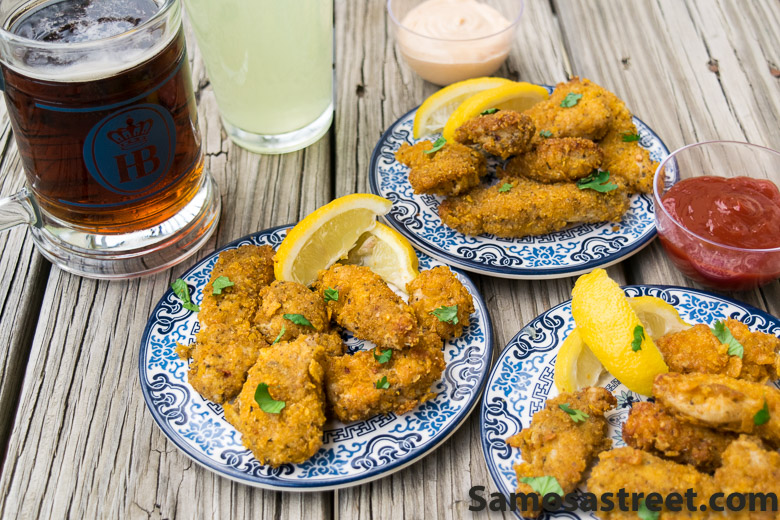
(694, 71)
(23, 274)
(83, 443)
(378, 88)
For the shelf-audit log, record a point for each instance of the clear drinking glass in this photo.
(100, 100)
(270, 63)
(716, 265)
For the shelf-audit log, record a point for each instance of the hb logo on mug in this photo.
(130, 150)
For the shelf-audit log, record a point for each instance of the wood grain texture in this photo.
(84, 444)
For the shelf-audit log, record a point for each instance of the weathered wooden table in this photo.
(76, 438)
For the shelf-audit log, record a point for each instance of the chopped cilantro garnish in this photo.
(576, 415)
(598, 181)
(724, 336)
(182, 291)
(629, 138)
(437, 145)
(505, 187)
(762, 416)
(220, 283)
(639, 335)
(645, 513)
(384, 356)
(447, 314)
(331, 295)
(382, 384)
(488, 111)
(570, 100)
(545, 133)
(544, 485)
(265, 401)
(298, 319)
(279, 337)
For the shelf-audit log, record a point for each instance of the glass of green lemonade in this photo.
(270, 63)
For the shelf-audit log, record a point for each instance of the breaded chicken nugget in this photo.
(293, 373)
(628, 160)
(367, 307)
(433, 290)
(453, 169)
(284, 303)
(228, 342)
(530, 208)
(356, 383)
(555, 160)
(503, 133)
(587, 116)
(750, 468)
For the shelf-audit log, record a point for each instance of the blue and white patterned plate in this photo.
(351, 454)
(522, 379)
(569, 252)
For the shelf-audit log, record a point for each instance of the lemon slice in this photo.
(433, 113)
(326, 235)
(517, 96)
(657, 316)
(388, 253)
(607, 324)
(576, 366)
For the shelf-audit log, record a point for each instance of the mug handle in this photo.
(17, 209)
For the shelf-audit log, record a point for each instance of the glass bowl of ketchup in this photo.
(717, 211)
(445, 41)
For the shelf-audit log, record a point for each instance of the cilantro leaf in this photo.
(544, 485)
(331, 294)
(577, 416)
(220, 283)
(279, 337)
(762, 416)
(545, 133)
(446, 314)
(505, 187)
(298, 319)
(724, 336)
(437, 145)
(382, 384)
(384, 356)
(488, 111)
(266, 402)
(570, 100)
(639, 335)
(629, 138)
(597, 181)
(182, 291)
(645, 513)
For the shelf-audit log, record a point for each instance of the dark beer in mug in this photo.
(109, 146)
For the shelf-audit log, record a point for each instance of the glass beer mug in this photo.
(101, 105)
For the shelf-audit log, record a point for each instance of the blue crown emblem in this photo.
(133, 135)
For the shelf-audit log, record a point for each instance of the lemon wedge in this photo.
(436, 109)
(388, 253)
(517, 96)
(657, 316)
(608, 325)
(576, 367)
(326, 235)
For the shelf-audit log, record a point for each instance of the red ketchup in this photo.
(740, 212)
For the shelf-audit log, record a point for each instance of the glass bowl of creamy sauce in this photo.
(445, 41)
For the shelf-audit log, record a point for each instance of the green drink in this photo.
(270, 63)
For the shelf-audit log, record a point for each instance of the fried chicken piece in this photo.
(697, 349)
(628, 160)
(636, 471)
(503, 133)
(555, 160)
(367, 307)
(651, 428)
(294, 374)
(530, 208)
(720, 402)
(452, 170)
(555, 445)
(436, 288)
(228, 342)
(589, 118)
(748, 467)
(282, 299)
(352, 380)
